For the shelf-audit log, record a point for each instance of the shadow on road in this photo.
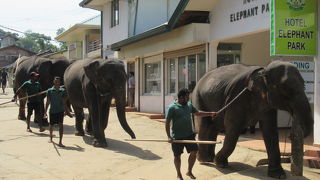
(248, 170)
(125, 148)
(67, 129)
(233, 167)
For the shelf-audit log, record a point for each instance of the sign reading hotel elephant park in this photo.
(293, 28)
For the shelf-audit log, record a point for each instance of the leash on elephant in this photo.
(26, 97)
(176, 141)
(249, 88)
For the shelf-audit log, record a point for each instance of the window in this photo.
(201, 65)
(172, 75)
(114, 13)
(185, 72)
(191, 72)
(153, 77)
(182, 72)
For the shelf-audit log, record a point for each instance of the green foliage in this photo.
(63, 45)
(36, 42)
(4, 33)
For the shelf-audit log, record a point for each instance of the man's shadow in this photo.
(125, 148)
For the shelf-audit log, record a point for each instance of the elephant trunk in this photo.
(120, 105)
(301, 113)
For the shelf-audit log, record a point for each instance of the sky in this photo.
(42, 16)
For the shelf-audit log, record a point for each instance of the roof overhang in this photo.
(154, 31)
(94, 4)
(205, 5)
(73, 33)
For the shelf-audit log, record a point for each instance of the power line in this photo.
(23, 32)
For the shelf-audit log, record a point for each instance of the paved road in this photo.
(26, 155)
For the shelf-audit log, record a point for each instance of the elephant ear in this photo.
(91, 71)
(44, 68)
(257, 79)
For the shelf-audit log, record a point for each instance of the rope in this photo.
(26, 97)
(227, 105)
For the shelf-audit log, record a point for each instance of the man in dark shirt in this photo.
(32, 87)
(4, 79)
(56, 98)
(179, 118)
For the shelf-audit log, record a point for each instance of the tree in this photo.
(36, 42)
(63, 45)
(4, 33)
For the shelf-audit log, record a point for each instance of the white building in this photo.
(170, 44)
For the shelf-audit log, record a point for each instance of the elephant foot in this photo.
(97, 143)
(79, 133)
(22, 117)
(277, 174)
(221, 162)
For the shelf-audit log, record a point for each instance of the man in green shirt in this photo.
(179, 118)
(56, 98)
(32, 87)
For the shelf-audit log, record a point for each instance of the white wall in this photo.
(118, 32)
(151, 104)
(316, 127)
(221, 27)
(152, 13)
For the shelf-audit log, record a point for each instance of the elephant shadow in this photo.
(125, 148)
(247, 170)
(233, 167)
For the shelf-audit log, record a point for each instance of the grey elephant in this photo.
(47, 68)
(278, 86)
(92, 84)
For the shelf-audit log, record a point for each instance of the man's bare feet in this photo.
(61, 145)
(29, 130)
(191, 175)
(50, 141)
(41, 129)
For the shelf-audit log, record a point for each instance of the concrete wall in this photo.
(146, 18)
(223, 24)
(179, 37)
(118, 32)
(254, 48)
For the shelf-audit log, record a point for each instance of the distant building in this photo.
(8, 40)
(83, 39)
(9, 54)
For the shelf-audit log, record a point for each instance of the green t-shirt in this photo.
(181, 124)
(56, 100)
(31, 89)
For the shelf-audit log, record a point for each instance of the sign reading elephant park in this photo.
(293, 28)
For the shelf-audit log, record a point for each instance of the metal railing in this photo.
(93, 45)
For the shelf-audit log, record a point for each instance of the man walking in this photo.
(132, 85)
(4, 79)
(32, 87)
(179, 118)
(56, 98)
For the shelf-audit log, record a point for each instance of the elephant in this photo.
(92, 84)
(47, 68)
(277, 86)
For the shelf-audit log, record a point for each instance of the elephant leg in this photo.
(207, 132)
(79, 120)
(89, 125)
(22, 107)
(234, 124)
(268, 124)
(94, 112)
(105, 114)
